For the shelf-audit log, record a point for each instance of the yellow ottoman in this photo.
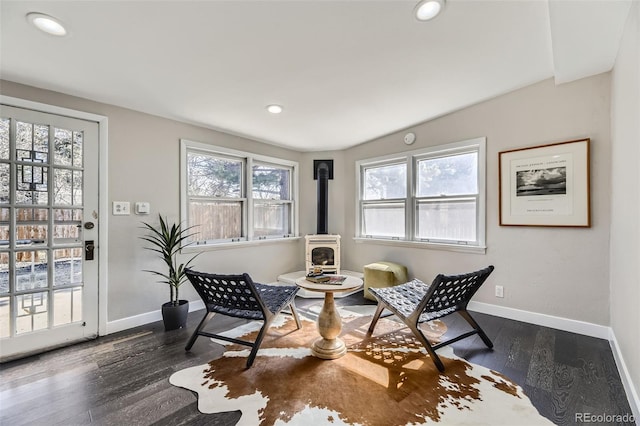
(383, 274)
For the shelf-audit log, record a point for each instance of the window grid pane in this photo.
(4, 183)
(213, 176)
(33, 312)
(67, 266)
(31, 269)
(451, 220)
(5, 125)
(67, 224)
(385, 182)
(4, 273)
(383, 220)
(67, 306)
(31, 184)
(63, 147)
(450, 175)
(216, 220)
(271, 182)
(271, 219)
(5, 317)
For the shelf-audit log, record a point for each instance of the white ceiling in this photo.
(345, 71)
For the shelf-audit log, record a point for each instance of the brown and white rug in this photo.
(385, 379)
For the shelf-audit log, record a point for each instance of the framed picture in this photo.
(546, 185)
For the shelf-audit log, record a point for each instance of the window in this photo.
(433, 196)
(231, 196)
(216, 199)
(272, 203)
(384, 202)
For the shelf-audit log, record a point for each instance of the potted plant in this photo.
(167, 240)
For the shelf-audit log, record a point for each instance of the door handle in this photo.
(89, 247)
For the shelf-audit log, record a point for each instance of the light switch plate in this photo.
(121, 208)
(142, 207)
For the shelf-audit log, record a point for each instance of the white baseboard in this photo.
(566, 324)
(146, 318)
(627, 382)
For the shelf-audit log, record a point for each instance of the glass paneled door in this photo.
(48, 231)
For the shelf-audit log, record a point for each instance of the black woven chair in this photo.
(238, 296)
(416, 302)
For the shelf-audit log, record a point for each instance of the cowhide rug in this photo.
(385, 379)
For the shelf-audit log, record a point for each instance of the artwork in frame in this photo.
(546, 185)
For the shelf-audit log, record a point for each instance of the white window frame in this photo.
(410, 158)
(246, 199)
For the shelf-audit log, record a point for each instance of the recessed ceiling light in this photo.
(46, 23)
(274, 109)
(429, 9)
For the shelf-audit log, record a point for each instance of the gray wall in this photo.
(555, 271)
(143, 165)
(625, 197)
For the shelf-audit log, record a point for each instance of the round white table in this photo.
(329, 346)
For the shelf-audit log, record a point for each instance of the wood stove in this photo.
(322, 250)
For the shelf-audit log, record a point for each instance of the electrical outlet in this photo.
(121, 208)
(499, 291)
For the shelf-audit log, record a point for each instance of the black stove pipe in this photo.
(323, 171)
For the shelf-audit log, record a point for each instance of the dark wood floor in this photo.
(122, 379)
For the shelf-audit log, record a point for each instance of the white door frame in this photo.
(103, 198)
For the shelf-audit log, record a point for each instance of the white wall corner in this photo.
(627, 382)
(146, 318)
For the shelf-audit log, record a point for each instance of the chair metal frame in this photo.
(416, 302)
(239, 297)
